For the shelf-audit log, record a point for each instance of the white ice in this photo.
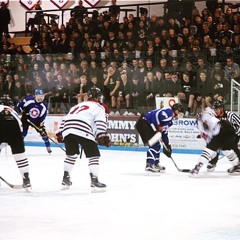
(172, 206)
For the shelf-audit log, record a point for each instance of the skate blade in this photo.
(28, 189)
(65, 187)
(234, 174)
(211, 170)
(193, 175)
(97, 190)
(147, 173)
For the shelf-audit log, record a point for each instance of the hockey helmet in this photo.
(178, 106)
(39, 95)
(6, 101)
(95, 93)
(218, 104)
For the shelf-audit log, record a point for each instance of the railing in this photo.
(136, 6)
(235, 96)
(104, 8)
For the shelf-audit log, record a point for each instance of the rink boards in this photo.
(183, 134)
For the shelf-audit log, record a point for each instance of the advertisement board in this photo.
(162, 102)
(182, 135)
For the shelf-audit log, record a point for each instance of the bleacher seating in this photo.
(24, 41)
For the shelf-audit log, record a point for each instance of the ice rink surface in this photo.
(172, 206)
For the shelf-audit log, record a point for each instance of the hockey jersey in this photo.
(208, 125)
(161, 117)
(36, 112)
(86, 119)
(7, 113)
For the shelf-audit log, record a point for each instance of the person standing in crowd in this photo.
(34, 112)
(85, 124)
(5, 19)
(79, 12)
(11, 133)
(153, 128)
(234, 120)
(111, 85)
(219, 135)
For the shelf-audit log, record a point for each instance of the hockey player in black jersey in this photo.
(11, 133)
(234, 120)
(85, 124)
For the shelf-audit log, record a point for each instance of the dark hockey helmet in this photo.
(95, 93)
(178, 106)
(218, 104)
(7, 101)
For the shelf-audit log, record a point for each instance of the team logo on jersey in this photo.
(92, 2)
(29, 4)
(60, 3)
(34, 113)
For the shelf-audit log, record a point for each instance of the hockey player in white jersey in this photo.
(219, 135)
(234, 120)
(11, 133)
(85, 124)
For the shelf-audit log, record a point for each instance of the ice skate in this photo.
(26, 182)
(195, 170)
(66, 183)
(152, 170)
(234, 170)
(211, 167)
(96, 186)
(49, 150)
(161, 168)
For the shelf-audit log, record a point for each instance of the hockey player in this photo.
(85, 124)
(219, 135)
(11, 133)
(234, 120)
(34, 111)
(153, 127)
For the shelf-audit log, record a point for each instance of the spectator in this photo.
(123, 98)
(111, 85)
(203, 95)
(59, 95)
(79, 12)
(114, 9)
(186, 95)
(37, 18)
(83, 89)
(232, 70)
(5, 19)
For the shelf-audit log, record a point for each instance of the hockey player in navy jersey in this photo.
(85, 124)
(153, 128)
(34, 111)
(11, 134)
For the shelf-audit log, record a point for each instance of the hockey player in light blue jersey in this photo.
(34, 111)
(153, 128)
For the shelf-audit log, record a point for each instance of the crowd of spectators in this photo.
(132, 60)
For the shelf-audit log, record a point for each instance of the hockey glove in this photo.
(42, 130)
(168, 151)
(59, 137)
(104, 139)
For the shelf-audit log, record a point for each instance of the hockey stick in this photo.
(39, 130)
(179, 169)
(11, 185)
